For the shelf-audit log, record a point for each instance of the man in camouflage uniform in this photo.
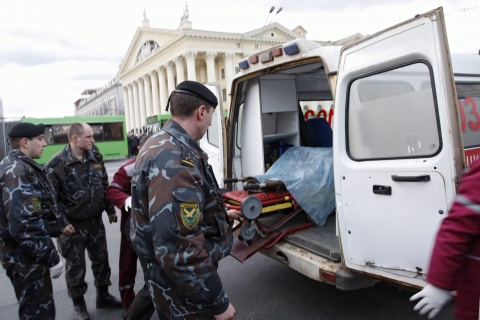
(80, 179)
(28, 204)
(179, 223)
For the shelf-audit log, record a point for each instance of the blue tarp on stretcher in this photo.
(308, 175)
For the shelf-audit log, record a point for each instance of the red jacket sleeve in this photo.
(458, 239)
(120, 187)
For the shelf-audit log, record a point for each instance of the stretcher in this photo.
(257, 201)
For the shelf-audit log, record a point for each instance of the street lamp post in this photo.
(265, 26)
(2, 120)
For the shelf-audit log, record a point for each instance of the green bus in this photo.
(109, 133)
(156, 122)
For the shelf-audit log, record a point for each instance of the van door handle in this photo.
(421, 178)
(385, 190)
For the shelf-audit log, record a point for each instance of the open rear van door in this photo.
(397, 148)
(212, 141)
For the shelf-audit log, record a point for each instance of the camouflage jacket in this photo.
(80, 184)
(27, 199)
(178, 217)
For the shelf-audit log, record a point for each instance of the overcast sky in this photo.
(51, 50)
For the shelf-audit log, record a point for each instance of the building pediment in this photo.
(145, 43)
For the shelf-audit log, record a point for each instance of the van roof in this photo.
(466, 64)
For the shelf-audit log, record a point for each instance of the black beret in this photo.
(26, 130)
(198, 90)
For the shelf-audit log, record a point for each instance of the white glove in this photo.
(128, 203)
(56, 270)
(433, 299)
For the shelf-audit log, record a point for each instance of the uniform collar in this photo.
(174, 129)
(22, 156)
(71, 158)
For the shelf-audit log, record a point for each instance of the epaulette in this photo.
(187, 158)
(98, 156)
(96, 153)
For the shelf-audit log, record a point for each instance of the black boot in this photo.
(80, 309)
(106, 300)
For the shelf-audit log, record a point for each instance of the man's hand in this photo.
(229, 314)
(112, 218)
(433, 299)
(69, 230)
(234, 214)
(56, 270)
(128, 203)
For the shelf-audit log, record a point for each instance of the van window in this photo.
(392, 115)
(213, 130)
(469, 107)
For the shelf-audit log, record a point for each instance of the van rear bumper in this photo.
(317, 268)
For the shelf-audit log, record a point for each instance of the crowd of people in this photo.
(134, 138)
(173, 220)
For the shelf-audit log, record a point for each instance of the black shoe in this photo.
(106, 300)
(80, 309)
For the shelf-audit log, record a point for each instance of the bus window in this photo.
(97, 132)
(48, 135)
(60, 133)
(113, 131)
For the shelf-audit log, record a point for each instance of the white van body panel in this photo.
(212, 142)
(405, 220)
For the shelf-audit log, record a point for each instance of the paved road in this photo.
(259, 289)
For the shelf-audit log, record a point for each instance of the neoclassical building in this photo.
(107, 100)
(159, 59)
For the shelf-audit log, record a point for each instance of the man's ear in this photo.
(24, 142)
(201, 111)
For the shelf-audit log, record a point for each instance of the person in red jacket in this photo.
(138, 306)
(455, 261)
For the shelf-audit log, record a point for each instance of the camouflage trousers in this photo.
(89, 236)
(170, 304)
(31, 282)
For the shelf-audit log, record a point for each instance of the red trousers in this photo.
(127, 266)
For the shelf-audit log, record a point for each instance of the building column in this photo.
(191, 72)
(126, 105)
(180, 69)
(141, 98)
(229, 74)
(162, 82)
(170, 77)
(148, 96)
(211, 66)
(136, 103)
(155, 97)
(131, 107)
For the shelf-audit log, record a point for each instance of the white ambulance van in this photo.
(405, 122)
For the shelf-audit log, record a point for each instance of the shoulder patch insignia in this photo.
(187, 159)
(190, 213)
(37, 205)
(97, 165)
